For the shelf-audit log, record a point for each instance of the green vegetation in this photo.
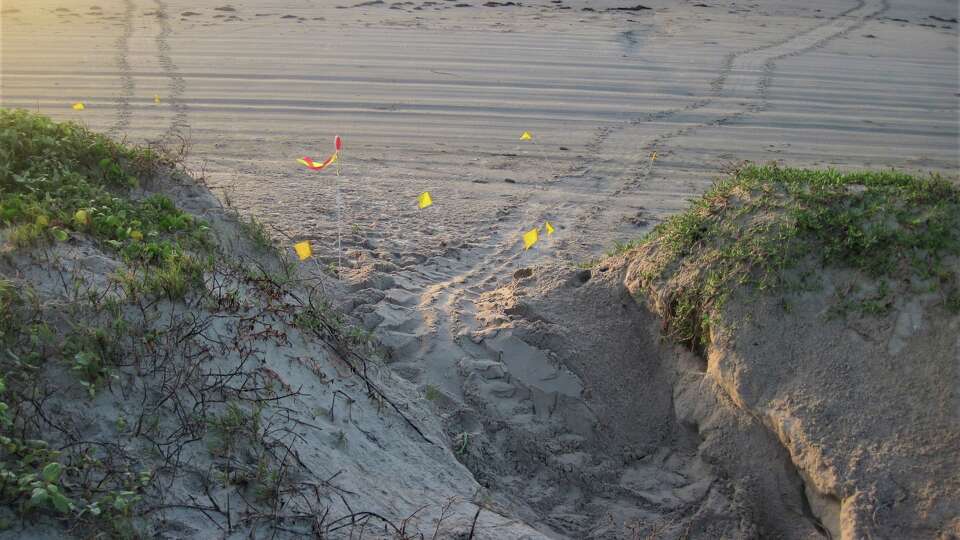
(432, 393)
(57, 179)
(129, 334)
(768, 227)
(62, 183)
(238, 435)
(257, 232)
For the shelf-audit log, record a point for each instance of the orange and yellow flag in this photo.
(313, 165)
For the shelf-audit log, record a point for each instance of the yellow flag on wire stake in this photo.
(78, 106)
(424, 200)
(526, 136)
(304, 251)
(156, 98)
(653, 157)
(530, 238)
(549, 227)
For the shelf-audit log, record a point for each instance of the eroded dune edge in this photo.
(780, 360)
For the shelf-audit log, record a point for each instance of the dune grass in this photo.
(763, 225)
(60, 178)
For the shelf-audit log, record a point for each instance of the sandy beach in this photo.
(632, 113)
(434, 97)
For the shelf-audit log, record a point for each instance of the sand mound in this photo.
(826, 306)
(809, 385)
(167, 373)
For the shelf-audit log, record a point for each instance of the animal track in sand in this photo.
(434, 336)
(743, 66)
(176, 84)
(127, 84)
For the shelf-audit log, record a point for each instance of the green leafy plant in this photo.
(45, 491)
(432, 393)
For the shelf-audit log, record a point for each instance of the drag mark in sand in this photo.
(718, 84)
(176, 85)
(770, 65)
(127, 84)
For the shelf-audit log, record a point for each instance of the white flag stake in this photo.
(339, 213)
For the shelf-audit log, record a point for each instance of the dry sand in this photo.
(433, 96)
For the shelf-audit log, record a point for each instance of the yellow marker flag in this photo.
(530, 238)
(304, 251)
(549, 227)
(79, 106)
(424, 200)
(526, 136)
(653, 157)
(156, 98)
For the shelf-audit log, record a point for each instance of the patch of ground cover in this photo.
(61, 179)
(768, 228)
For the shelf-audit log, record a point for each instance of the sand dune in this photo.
(435, 99)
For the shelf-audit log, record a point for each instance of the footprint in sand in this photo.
(189, 14)
(224, 8)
